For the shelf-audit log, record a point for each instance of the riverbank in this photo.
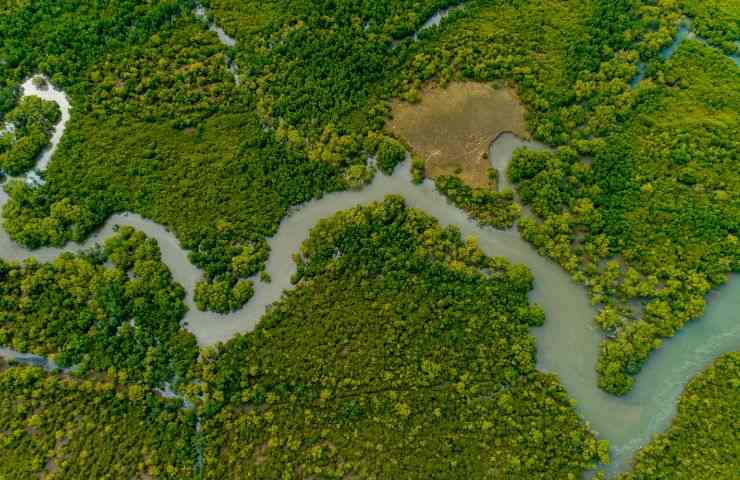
(566, 345)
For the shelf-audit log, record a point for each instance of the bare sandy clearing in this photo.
(452, 128)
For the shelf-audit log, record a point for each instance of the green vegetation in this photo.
(399, 337)
(653, 217)
(284, 48)
(403, 352)
(32, 123)
(142, 103)
(54, 427)
(649, 213)
(482, 203)
(158, 128)
(161, 128)
(640, 202)
(541, 48)
(388, 153)
(704, 440)
(124, 320)
(63, 38)
(418, 173)
(718, 21)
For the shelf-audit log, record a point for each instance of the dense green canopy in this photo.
(402, 352)
(61, 428)
(78, 311)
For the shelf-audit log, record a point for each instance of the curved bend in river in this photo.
(567, 344)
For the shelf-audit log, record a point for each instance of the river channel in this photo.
(567, 345)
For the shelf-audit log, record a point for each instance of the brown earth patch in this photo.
(452, 128)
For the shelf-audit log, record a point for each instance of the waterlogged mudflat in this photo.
(567, 344)
(452, 128)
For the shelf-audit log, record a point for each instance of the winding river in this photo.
(567, 345)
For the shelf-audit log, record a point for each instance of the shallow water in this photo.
(640, 75)
(53, 95)
(684, 32)
(25, 358)
(200, 12)
(501, 151)
(432, 21)
(435, 19)
(567, 344)
(7, 128)
(735, 57)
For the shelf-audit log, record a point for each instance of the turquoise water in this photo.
(640, 75)
(683, 32)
